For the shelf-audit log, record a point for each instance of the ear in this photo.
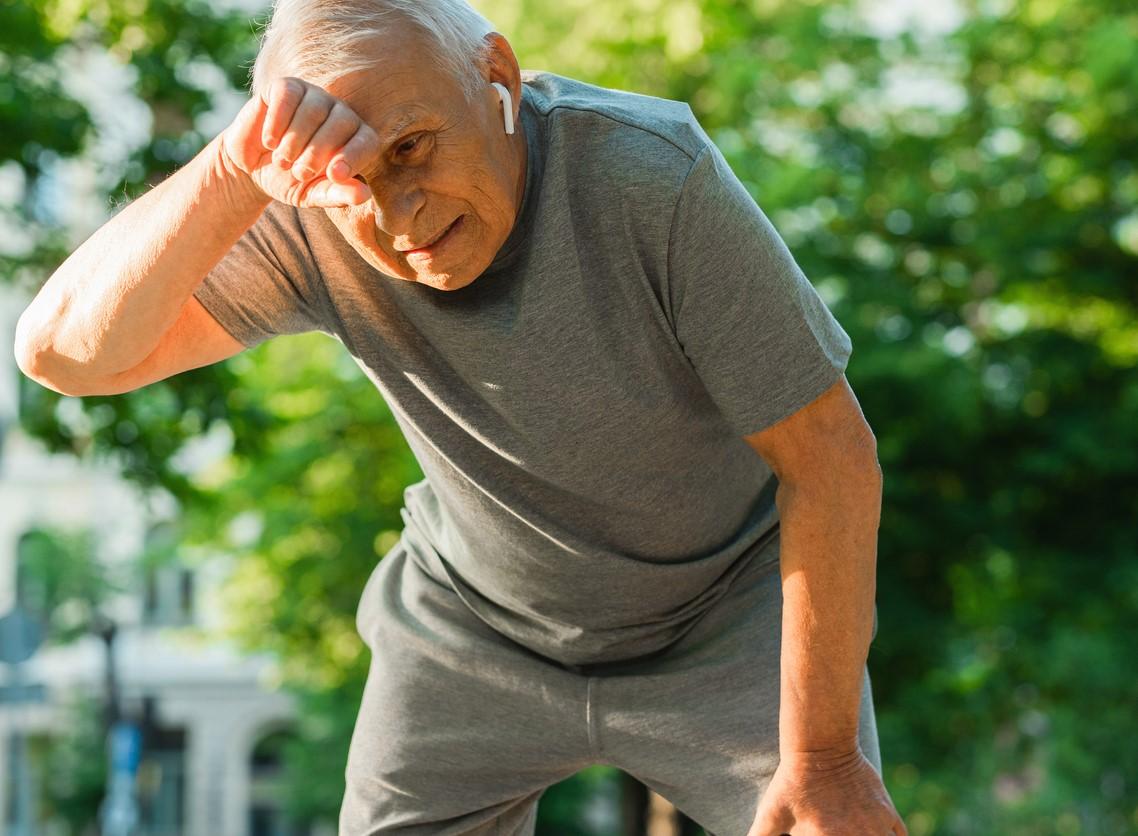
(500, 64)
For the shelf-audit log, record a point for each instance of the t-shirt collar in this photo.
(534, 167)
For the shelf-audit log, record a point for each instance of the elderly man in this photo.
(647, 533)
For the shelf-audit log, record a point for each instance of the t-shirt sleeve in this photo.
(268, 283)
(754, 328)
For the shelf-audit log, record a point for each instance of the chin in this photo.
(446, 281)
(469, 268)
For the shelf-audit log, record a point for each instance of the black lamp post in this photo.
(107, 630)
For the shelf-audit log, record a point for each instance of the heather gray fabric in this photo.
(589, 571)
(460, 730)
(579, 409)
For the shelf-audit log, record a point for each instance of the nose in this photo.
(397, 200)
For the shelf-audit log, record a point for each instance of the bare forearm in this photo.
(828, 564)
(107, 306)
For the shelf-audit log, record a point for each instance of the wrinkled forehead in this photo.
(400, 79)
(396, 94)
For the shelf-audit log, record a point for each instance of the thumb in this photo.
(771, 820)
(242, 140)
(326, 193)
(251, 115)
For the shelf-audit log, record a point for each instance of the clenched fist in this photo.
(301, 146)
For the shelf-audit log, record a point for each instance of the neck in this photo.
(521, 154)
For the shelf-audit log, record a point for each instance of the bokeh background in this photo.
(959, 181)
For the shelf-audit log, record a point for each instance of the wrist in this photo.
(811, 721)
(829, 759)
(236, 187)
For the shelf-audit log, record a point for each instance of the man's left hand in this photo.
(841, 796)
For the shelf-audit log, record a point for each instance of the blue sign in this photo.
(126, 747)
(20, 635)
(23, 693)
(119, 812)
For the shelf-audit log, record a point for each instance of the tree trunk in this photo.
(644, 813)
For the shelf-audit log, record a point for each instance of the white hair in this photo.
(322, 40)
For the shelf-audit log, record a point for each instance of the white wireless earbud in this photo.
(507, 105)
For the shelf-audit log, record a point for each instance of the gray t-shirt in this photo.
(579, 409)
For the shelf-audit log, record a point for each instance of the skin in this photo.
(395, 154)
(824, 455)
(829, 496)
(829, 502)
(119, 313)
(453, 161)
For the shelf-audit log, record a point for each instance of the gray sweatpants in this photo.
(461, 730)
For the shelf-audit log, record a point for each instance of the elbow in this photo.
(24, 344)
(28, 350)
(865, 452)
(861, 463)
(848, 465)
(33, 355)
(32, 368)
(854, 452)
(872, 462)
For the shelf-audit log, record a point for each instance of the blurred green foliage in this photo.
(966, 200)
(76, 760)
(63, 584)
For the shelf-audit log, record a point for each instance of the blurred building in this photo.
(213, 723)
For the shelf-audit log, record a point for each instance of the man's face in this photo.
(446, 167)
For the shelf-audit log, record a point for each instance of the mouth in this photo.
(438, 241)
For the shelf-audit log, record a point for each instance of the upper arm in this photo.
(195, 339)
(755, 330)
(828, 434)
(268, 284)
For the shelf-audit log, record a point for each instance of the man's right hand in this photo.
(301, 146)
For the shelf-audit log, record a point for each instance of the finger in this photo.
(281, 101)
(246, 129)
(326, 194)
(772, 822)
(309, 116)
(357, 154)
(337, 129)
(250, 114)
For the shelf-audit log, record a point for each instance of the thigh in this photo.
(699, 725)
(459, 729)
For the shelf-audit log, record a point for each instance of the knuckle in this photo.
(288, 88)
(290, 143)
(354, 154)
(311, 114)
(363, 143)
(287, 152)
(368, 137)
(316, 102)
(339, 129)
(342, 113)
(306, 165)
